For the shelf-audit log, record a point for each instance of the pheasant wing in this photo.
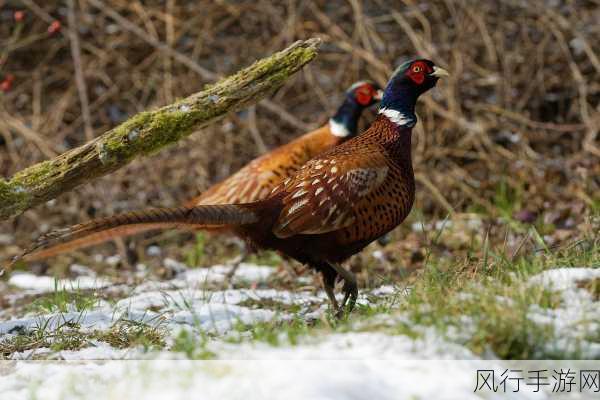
(251, 183)
(321, 197)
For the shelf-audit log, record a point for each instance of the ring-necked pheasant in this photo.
(256, 180)
(333, 207)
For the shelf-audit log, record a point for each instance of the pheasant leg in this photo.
(235, 264)
(329, 285)
(350, 289)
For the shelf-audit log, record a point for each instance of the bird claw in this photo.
(350, 290)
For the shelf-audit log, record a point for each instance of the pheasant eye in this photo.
(416, 73)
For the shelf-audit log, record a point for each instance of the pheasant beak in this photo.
(439, 72)
(378, 95)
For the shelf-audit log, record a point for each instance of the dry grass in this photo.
(520, 112)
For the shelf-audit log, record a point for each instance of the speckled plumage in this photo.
(340, 201)
(256, 180)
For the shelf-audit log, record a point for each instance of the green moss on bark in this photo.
(13, 198)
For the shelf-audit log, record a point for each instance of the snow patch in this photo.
(564, 278)
(221, 318)
(218, 273)
(199, 277)
(577, 318)
(99, 319)
(42, 284)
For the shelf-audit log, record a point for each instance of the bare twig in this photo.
(28, 133)
(185, 60)
(436, 193)
(258, 140)
(163, 47)
(79, 78)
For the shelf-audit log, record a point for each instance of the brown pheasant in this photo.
(256, 180)
(333, 207)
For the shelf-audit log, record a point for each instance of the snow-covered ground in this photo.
(350, 366)
(343, 365)
(578, 315)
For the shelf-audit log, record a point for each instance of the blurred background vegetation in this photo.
(511, 136)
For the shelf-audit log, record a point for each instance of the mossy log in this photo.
(150, 131)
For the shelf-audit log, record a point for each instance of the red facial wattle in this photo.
(417, 77)
(364, 96)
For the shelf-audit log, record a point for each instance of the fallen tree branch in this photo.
(150, 131)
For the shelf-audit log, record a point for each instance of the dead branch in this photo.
(150, 131)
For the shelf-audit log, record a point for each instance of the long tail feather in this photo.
(99, 230)
(106, 235)
(94, 239)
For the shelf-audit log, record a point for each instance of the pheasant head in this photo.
(359, 96)
(409, 81)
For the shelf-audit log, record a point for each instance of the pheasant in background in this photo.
(256, 180)
(334, 206)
